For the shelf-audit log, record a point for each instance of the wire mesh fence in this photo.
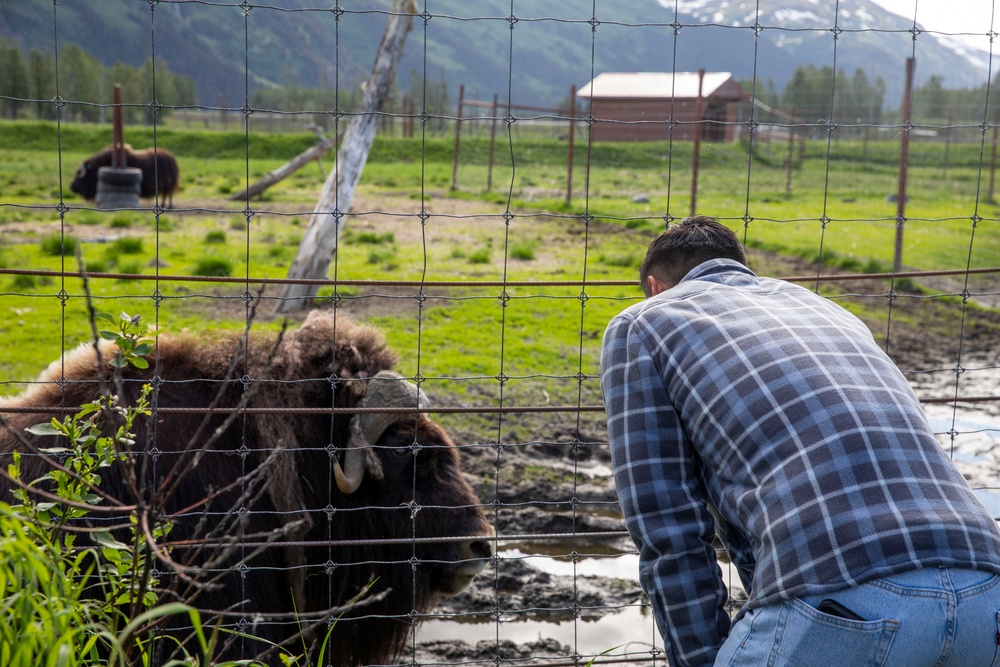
(492, 288)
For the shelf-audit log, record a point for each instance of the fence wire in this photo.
(524, 407)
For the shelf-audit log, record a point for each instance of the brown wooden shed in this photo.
(638, 106)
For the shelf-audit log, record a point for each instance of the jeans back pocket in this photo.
(806, 636)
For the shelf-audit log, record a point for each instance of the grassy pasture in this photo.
(408, 224)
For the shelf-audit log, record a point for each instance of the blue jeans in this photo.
(940, 617)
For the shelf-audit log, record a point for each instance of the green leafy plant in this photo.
(48, 580)
(129, 335)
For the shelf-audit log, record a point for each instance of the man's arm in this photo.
(661, 498)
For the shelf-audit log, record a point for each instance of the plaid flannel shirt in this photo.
(775, 408)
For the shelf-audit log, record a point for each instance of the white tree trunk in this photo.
(320, 241)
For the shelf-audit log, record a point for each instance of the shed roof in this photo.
(661, 85)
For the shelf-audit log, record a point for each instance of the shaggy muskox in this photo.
(323, 486)
(160, 173)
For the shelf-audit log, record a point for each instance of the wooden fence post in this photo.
(458, 138)
(493, 137)
(904, 152)
(791, 156)
(697, 143)
(569, 167)
(993, 158)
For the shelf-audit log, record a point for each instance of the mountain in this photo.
(863, 36)
(531, 58)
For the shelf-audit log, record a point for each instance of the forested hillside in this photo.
(530, 56)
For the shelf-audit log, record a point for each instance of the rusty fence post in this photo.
(493, 138)
(118, 134)
(993, 158)
(904, 150)
(697, 142)
(572, 131)
(458, 138)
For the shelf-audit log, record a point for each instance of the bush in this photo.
(381, 257)
(875, 266)
(481, 256)
(86, 218)
(127, 246)
(624, 261)
(523, 250)
(134, 268)
(24, 282)
(850, 264)
(371, 238)
(907, 284)
(213, 266)
(215, 236)
(121, 220)
(55, 245)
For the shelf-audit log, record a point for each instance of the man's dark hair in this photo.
(686, 245)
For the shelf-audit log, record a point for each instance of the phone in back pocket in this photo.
(834, 608)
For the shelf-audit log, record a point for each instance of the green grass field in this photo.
(407, 224)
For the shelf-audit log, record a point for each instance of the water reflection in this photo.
(972, 439)
(630, 627)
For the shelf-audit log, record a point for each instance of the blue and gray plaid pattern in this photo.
(777, 408)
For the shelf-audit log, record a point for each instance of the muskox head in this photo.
(85, 179)
(360, 494)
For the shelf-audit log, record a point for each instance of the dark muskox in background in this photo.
(160, 173)
(280, 476)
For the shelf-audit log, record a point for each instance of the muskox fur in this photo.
(160, 173)
(414, 487)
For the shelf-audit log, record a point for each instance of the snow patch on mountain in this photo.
(794, 16)
(689, 6)
(976, 57)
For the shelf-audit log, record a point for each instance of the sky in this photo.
(952, 16)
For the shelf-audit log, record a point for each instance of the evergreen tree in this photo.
(80, 83)
(13, 80)
(42, 83)
(816, 96)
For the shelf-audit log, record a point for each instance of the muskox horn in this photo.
(385, 390)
